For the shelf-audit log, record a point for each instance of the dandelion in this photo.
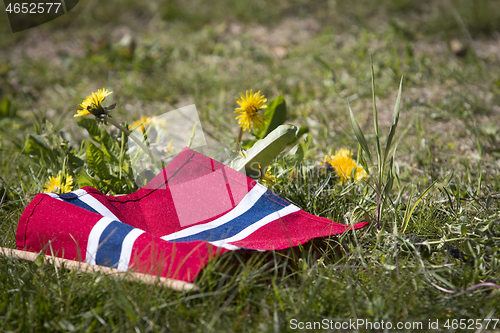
(249, 106)
(344, 165)
(56, 185)
(267, 177)
(160, 122)
(93, 105)
(140, 122)
(169, 150)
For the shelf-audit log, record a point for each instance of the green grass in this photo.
(317, 54)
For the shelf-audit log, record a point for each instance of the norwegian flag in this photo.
(194, 210)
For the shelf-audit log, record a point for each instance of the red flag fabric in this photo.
(196, 208)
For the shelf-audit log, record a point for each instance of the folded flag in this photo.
(195, 209)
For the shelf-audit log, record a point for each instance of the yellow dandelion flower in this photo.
(249, 106)
(54, 184)
(160, 123)
(267, 177)
(140, 122)
(343, 164)
(92, 102)
(169, 150)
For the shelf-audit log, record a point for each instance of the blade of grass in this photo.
(408, 213)
(359, 134)
(375, 124)
(395, 120)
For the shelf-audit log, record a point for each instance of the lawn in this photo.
(438, 263)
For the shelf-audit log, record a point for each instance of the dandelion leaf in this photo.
(91, 126)
(110, 146)
(95, 160)
(275, 116)
(83, 178)
(264, 151)
(294, 156)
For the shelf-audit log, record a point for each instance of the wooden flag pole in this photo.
(177, 285)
